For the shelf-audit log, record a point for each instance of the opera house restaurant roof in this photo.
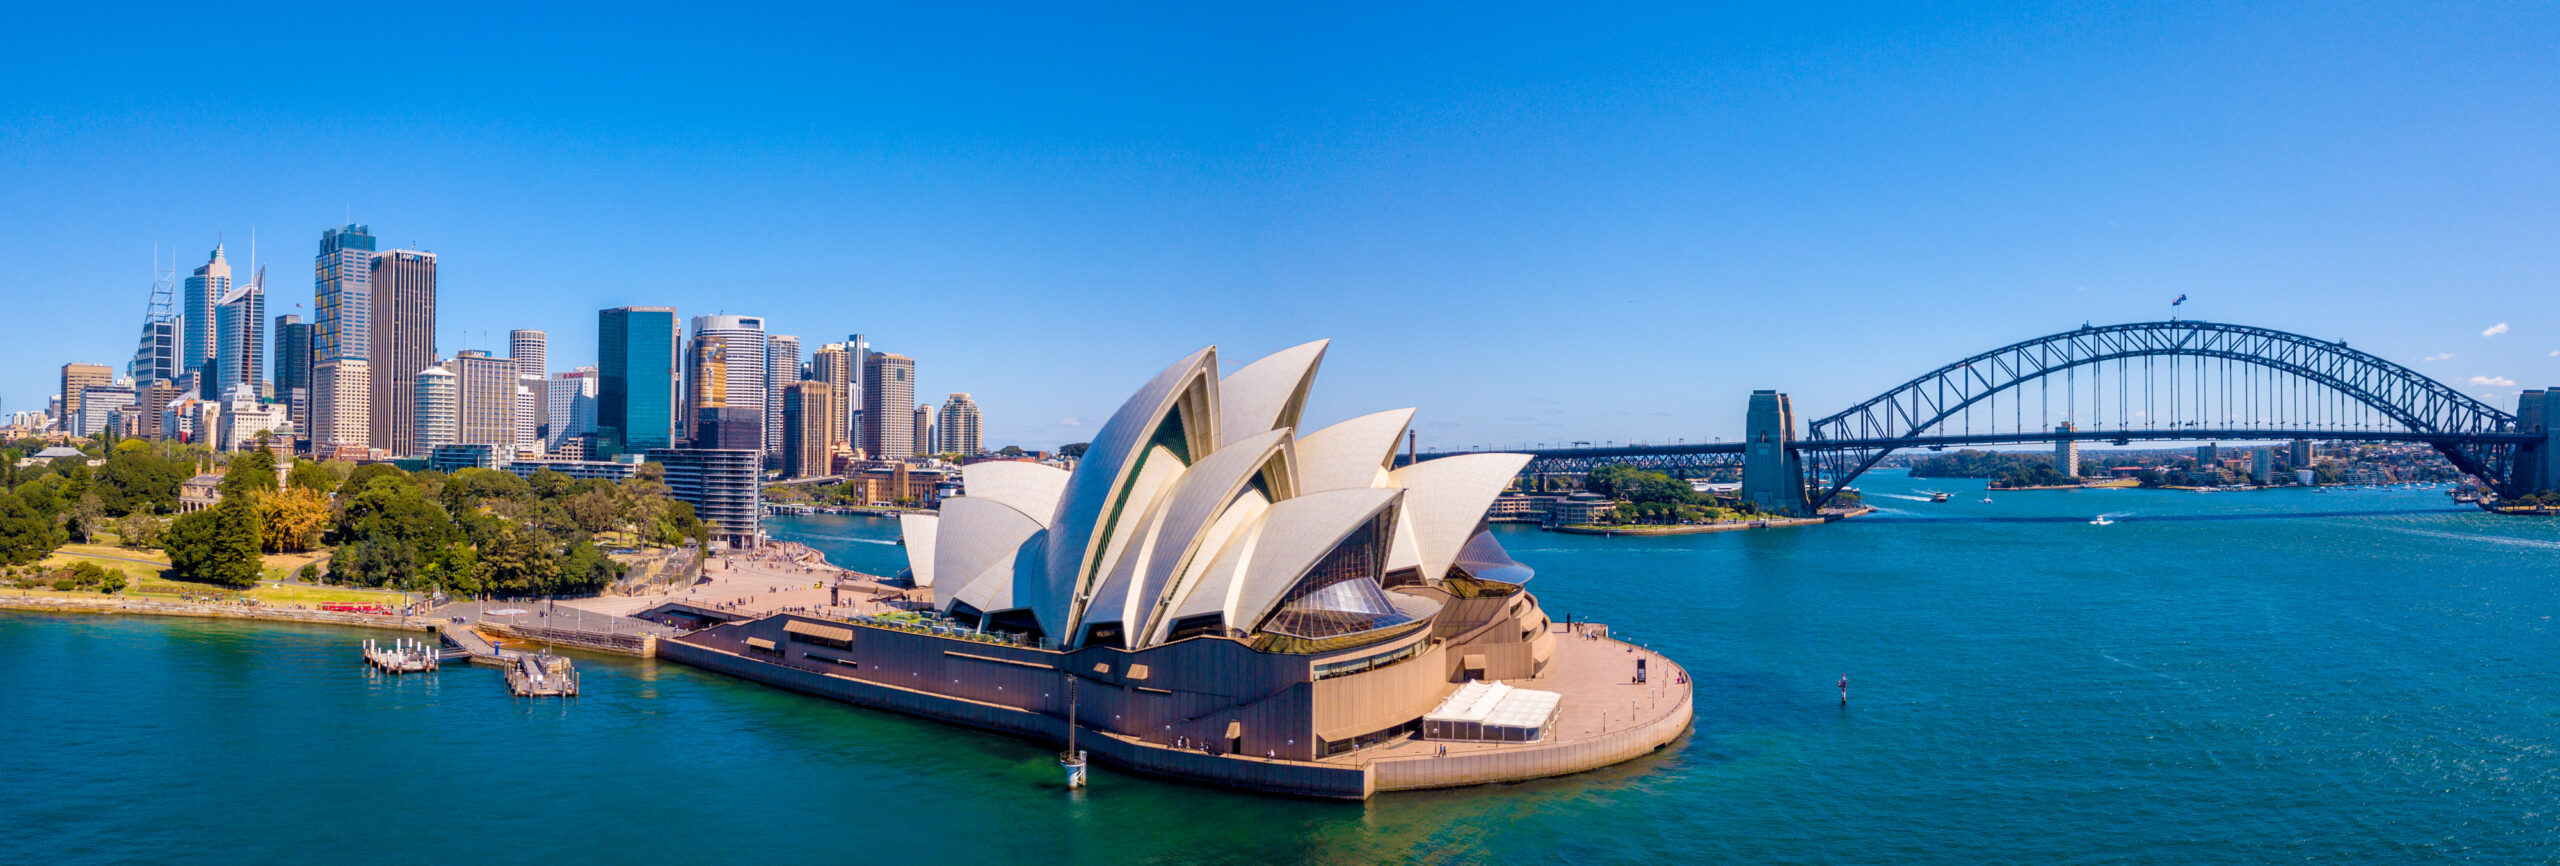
(1235, 600)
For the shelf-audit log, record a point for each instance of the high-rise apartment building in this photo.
(485, 399)
(240, 341)
(781, 370)
(437, 402)
(837, 367)
(889, 406)
(639, 380)
(400, 342)
(808, 448)
(100, 406)
(925, 441)
(293, 371)
(155, 355)
(726, 383)
(204, 291)
(961, 433)
(78, 378)
(531, 351)
(151, 404)
(721, 485)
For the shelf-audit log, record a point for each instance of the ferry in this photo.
(2103, 520)
(1939, 497)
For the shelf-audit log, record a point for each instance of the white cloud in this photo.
(2555, 353)
(2493, 381)
(1070, 422)
(2494, 330)
(2439, 356)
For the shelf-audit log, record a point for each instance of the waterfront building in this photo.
(572, 408)
(808, 408)
(1239, 603)
(205, 289)
(781, 370)
(960, 426)
(639, 383)
(2261, 464)
(2207, 456)
(486, 399)
(2066, 452)
(888, 406)
(723, 486)
(293, 370)
(78, 378)
(437, 401)
(896, 484)
(340, 410)
(400, 341)
(2300, 453)
(240, 340)
(837, 366)
(925, 430)
(725, 384)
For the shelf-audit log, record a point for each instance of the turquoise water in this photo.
(2354, 676)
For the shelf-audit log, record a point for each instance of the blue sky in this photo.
(1531, 224)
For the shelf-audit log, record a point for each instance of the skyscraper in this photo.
(836, 367)
(572, 396)
(637, 385)
(855, 400)
(781, 370)
(240, 340)
(531, 352)
(925, 441)
(293, 371)
(205, 289)
(888, 406)
(726, 383)
(960, 426)
(485, 399)
(808, 444)
(436, 402)
(341, 340)
(77, 378)
(155, 355)
(400, 341)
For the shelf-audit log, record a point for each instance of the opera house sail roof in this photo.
(1200, 508)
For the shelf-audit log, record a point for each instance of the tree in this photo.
(27, 534)
(136, 481)
(469, 488)
(218, 545)
(140, 531)
(314, 475)
(292, 519)
(365, 475)
(251, 473)
(86, 519)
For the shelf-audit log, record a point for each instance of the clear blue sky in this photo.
(1532, 224)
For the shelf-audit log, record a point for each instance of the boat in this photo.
(1938, 497)
(2103, 520)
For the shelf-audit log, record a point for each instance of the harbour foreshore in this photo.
(155, 607)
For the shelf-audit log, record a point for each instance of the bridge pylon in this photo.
(1771, 479)
(2537, 465)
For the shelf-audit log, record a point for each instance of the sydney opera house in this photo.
(1217, 596)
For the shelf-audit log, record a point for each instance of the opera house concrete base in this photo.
(1594, 675)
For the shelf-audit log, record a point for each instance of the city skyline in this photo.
(1972, 178)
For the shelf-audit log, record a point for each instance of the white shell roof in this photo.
(1448, 497)
(1351, 453)
(1031, 488)
(1268, 394)
(1093, 488)
(979, 535)
(920, 531)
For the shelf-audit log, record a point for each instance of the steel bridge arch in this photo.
(1841, 446)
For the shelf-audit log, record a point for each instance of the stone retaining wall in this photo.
(143, 607)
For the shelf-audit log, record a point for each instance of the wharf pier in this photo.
(402, 656)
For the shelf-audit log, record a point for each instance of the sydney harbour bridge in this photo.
(2118, 384)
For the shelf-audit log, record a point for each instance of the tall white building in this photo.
(531, 351)
(925, 440)
(781, 370)
(725, 383)
(439, 398)
(340, 412)
(572, 403)
(199, 339)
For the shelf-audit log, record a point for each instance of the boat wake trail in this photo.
(2485, 539)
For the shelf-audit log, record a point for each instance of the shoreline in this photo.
(1702, 528)
(113, 606)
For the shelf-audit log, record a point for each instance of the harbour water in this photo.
(2342, 676)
